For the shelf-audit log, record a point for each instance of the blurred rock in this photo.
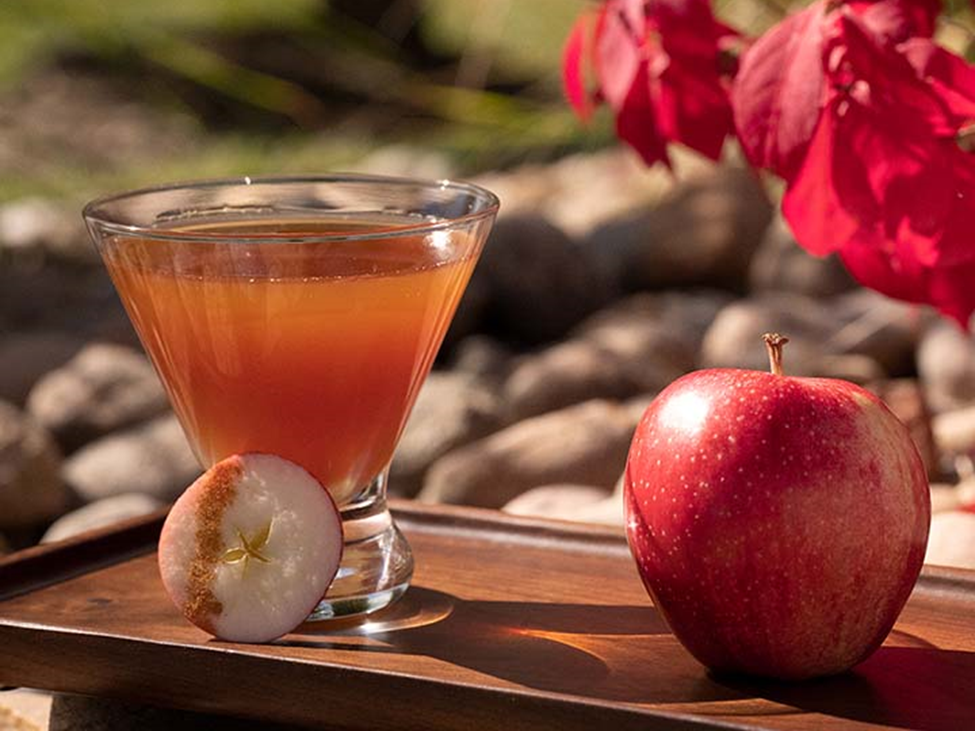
(84, 713)
(53, 294)
(684, 316)
(483, 358)
(554, 501)
(703, 234)
(954, 431)
(101, 513)
(876, 326)
(576, 503)
(638, 345)
(852, 367)
(11, 720)
(45, 226)
(406, 161)
(906, 400)
(944, 498)
(28, 706)
(528, 260)
(781, 265)
(562, 375)
(579, 192)
(857, 336)
(608, 511)
(584, 444)
(153, 459)
(734, 339)
(102, 389)
(25, 357)
(966, 488)
(452, 410)
(946, 365)
(469, 318)
(951, 541)
(31, 489)
(579, 370)
(637, 405)
(582, 191)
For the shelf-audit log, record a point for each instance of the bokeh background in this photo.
(603, 281)
(106, 94)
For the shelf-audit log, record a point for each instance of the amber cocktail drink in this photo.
(301, 323)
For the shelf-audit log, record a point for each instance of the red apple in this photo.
(778, 523)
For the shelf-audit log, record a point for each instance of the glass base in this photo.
(377, 563)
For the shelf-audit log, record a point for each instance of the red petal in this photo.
(687, 27)
(881, 270)
(693, 107)
(573, 61)
(691, 98)
(779, 93)
(634, 13)
(894, 21)
(617, 57)
(951, 76)
(897, 275)
(856, 56)
(635, 122)
(811, 205)
(898, 171)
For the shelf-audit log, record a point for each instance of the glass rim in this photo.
(94, 214)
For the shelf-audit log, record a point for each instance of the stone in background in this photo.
(701, 235)
(531, 285)
(25, 357)
(31, 489)
(781, 265)
(585, 444)
(101, 513)
(102, 389)
(860, 336)
(603, 282)
(153, 459)
(453, 409)
(946, 365)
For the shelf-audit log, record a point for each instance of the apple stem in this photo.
(774, 343)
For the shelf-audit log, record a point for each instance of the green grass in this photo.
(514, 40)
(33, 31)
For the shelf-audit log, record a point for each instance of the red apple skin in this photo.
(778, 523)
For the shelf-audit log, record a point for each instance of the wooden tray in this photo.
(511, 624)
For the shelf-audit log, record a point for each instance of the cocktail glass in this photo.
(299, 317)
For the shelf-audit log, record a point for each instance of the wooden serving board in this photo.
(510, 624)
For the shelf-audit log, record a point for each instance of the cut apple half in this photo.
(250, 548)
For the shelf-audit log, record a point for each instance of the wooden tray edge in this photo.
(51, 563)
(550, 710)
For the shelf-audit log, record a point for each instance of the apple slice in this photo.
(250, 548)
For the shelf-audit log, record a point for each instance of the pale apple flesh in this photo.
(250, 548)
(778, 523)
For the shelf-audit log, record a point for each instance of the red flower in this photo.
(780, 90)
(870, 124)
(884, 180)
(860, 112)
(658, 65)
